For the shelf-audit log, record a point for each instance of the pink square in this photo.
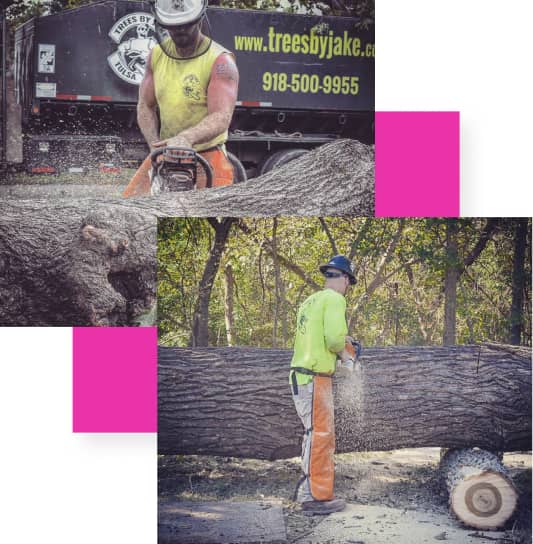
(417, 164)
(115, 379)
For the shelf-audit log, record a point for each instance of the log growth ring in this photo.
(483, 500)
(485, 504)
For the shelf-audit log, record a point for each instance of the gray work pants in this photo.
(303, 402)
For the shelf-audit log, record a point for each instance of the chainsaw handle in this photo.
(154, 154)
(208, 171)
(358, 348)
(203, 162)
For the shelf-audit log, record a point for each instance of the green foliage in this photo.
(182, 251)
(363, 9)
(398, 299)
(22, 10)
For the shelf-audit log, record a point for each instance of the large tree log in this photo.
(91, 260)
(77, 267)
(481, 492)
(334, 179)
(237, 402)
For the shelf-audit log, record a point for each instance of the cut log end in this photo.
(481, 493)
(485, 501)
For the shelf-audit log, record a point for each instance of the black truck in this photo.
(304, 80)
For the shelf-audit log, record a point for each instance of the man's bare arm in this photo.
(147, 106)
(221, 98)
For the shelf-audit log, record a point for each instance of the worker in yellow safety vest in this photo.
(192, 81)
(321, 337)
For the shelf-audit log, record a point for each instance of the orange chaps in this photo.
(314, 404)
(321, 463)
(217, 159)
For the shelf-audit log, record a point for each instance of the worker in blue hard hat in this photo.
(321, 337)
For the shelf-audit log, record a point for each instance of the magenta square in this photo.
(417, 164)
(114, 379)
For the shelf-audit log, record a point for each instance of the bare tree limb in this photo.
(325, 228)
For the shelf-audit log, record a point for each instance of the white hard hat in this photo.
(179, 12)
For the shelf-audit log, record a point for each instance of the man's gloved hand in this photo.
(349, 354)
(349, 365)
(345, 354)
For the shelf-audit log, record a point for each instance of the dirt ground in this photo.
(393, 496)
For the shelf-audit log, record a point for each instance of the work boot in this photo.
(324, 507)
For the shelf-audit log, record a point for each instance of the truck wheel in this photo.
(279, 158)
(239, 173)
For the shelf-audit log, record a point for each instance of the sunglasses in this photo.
(334, 274)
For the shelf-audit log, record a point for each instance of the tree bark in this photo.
(75, 264)
(519, 278)
(228, 305)
(200, 323)
(237, 401)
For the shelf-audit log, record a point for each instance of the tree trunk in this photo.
(280, 313)
(451, 276)
(200, 324)
(481, 493)
(228, 305)
(14, 121)
(519, 278)
(237, 401)
(73, 263)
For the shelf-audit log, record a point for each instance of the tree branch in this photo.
(484, 237)
(330, 237)
(267, 245)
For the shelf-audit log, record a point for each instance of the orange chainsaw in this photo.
(174, 169)
(354, 349)
(168, 169)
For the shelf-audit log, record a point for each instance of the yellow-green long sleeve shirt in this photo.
(320, 333)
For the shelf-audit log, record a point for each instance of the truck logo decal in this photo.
(191, 87)
(134, 35)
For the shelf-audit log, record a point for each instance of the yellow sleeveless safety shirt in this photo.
(181, 91)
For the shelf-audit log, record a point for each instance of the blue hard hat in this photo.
(342, 263)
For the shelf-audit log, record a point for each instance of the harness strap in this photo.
(294, 383)
(307, 371)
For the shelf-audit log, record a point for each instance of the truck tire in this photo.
(239, 173)
(279, 158)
